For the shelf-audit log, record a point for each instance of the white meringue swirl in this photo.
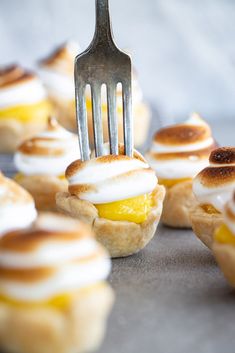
(181, 151)
(214, 184)
(49, 152)
(55, 261)
(24, 88)
(17, 209)
(110, 178)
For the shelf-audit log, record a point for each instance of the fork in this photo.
(103, 63)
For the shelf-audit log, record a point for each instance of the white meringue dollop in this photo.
(110, 178)
(182, 150)
(49, 152)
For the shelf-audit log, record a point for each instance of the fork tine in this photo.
(82, 120)
(112, 118)
(127, 117)
(97, 118)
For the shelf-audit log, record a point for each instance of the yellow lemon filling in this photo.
(224, 235)
(209, 209)
(171, 182)
(135, 209)
(103, 106)
(60, 301)
(28, 112)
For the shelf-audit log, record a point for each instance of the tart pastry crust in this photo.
(13, 133)
(121, 238)
(43, 188)
(225, 257)
(78, 327)
(204, 224)
(178, 202)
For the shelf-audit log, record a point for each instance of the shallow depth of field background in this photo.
(184, 51)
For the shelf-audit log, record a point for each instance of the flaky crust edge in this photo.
(225, 257)
(80, 327)
(178, 202)
(43, 188)
(205, 224)
(121, 238)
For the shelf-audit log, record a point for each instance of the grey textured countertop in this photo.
(171, 297)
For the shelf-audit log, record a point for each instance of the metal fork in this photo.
(103, 63)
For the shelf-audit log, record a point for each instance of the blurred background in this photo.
(184, 51)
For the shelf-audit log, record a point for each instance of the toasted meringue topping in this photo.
(17, 208)
(182, 150)
(110, 178)
(214, 184)
(55, 256)
(19, 86)
(49, 152)
(229, 213)
(57, 70)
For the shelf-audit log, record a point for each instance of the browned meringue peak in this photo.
(47, 228)
(62, 58)
(183, 134)
(43, 145)
(221, 171)
(12, 193)
(13, 75)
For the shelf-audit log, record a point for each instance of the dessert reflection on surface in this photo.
(53, 285)
(17, 209)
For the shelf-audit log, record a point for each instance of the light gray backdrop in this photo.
(184, 51)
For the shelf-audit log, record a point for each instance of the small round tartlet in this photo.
(57, 73)
(212, 188)
(224, 242)
(17, 209)
(119, 196)
(177, 154)
(53, 293)
(41, 162)
(24, 107)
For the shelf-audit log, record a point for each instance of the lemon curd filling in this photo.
(209, 209)
(135, 209)
(171, 182)
(60, 301)
(103, 106)
(28, 112)
(224, 235)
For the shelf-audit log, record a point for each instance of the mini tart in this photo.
(178, 202)
(177, 154)
(20, 121)
(204, 221)
(43, 188)
(121, 238)
(77, 327)
(62, 317)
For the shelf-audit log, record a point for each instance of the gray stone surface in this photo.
(170, 298)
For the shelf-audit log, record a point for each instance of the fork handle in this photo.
(103, 29)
